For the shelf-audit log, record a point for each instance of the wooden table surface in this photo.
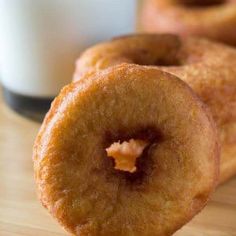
(22, 214)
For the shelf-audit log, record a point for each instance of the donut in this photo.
(141, 49)
(213, 19)
(208, 67)
(126, 112)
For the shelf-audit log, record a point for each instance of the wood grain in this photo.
(22, 214)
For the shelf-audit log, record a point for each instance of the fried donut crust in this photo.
(208, 67)
(189, 18)
(76, 180)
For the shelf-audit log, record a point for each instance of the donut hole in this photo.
(125, 154)
(168, 62)
(160, 62)
(201, 3)
(147, 58)
(143, 164)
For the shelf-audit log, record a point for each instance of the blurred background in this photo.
(40, 41)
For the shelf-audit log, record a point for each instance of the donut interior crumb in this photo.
(126, 153)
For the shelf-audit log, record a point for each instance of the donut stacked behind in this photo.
(209, 68)
(214, 19)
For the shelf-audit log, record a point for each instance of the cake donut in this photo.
(208, 67)
(130, 150)
(213, 19)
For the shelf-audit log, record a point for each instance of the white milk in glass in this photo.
(40, 40)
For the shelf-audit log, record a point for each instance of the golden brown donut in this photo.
(208, 67)
(176, 172)
(213, 19)
(141, 49)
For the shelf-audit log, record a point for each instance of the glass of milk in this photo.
(41, 39)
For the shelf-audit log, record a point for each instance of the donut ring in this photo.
(209, 68)
(76, 180)
(213, 19)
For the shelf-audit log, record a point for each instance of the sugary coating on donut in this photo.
(76, 180)
(208, 67)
